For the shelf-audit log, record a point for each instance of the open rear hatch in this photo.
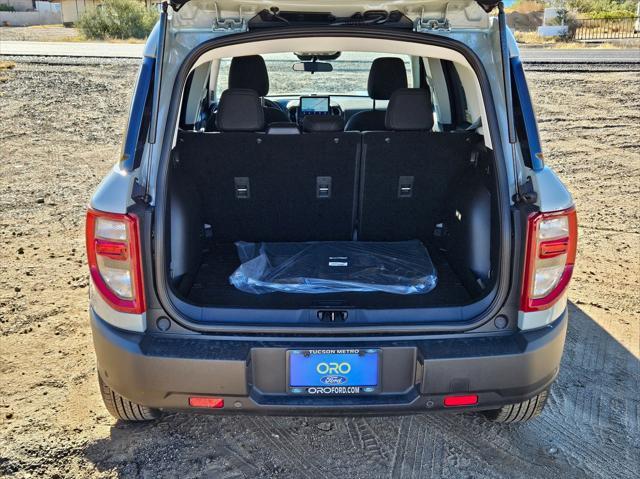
(242, 15)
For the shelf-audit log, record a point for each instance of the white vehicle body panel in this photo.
(552, 194)
(113, 194)
(128, 321)
(539, 319)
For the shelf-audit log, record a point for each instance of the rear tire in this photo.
(122, 408)
(519, 412)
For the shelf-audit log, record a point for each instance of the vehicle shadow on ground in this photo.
(588, 429)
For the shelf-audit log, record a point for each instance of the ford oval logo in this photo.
(333, 379)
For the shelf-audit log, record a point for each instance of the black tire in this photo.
(520, 412)
(122, 408)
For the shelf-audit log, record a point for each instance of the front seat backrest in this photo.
(387, 75)
(251, 72)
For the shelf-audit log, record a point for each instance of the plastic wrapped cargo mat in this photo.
(402, 267)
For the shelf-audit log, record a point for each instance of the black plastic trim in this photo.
(265, 35)
(163, 370)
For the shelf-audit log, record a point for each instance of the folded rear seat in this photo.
(271, 187)
(406, 170)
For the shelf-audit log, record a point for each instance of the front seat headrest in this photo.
(410, 109)
(312, 123)
(240, 109)
(387, 74)
(249, 72)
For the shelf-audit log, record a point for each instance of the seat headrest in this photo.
(240, 109)
(316, 124)
(387, 74)
(410, 109)
(283, 128)
(249, 72)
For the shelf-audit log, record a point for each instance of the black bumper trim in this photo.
(162, 371)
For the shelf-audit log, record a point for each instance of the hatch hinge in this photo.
(526, 194)
(228, 25)
(139, 193)
(433, 24)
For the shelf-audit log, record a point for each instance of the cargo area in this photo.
(211, 286)
(317, 185)
(435, 188)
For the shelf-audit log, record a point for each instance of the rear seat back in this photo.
(266, 187)
(406, 171)
(321, 185)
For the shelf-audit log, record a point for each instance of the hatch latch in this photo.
(228, 25)
(330, 316)
(433, 24)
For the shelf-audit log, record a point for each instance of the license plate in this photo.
(333, 371)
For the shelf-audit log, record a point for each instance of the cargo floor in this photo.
(211, 287)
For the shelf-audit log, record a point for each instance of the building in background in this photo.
(22, 13)
(19, 5)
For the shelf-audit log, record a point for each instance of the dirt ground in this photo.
(52, 33)
(61, 124)
(40, 33)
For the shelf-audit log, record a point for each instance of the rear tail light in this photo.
(550, 256)
(113, 251)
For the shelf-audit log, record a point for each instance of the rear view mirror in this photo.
(312, 67)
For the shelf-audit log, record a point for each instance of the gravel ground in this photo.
(61, 127)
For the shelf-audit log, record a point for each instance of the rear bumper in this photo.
(162, 371)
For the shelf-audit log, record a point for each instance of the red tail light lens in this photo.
(208, 402)
(113, 252)
(462, 400)
(550, 257)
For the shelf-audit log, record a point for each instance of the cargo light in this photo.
(550, 256)
(113, 253)
(460, 400)
(208, 402)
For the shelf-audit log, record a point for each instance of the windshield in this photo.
(349, 76)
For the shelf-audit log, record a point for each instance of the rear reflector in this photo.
(466, 400)
(211, 403)
(111, 249)
(553, 248)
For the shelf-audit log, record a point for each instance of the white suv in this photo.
(326, 210)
